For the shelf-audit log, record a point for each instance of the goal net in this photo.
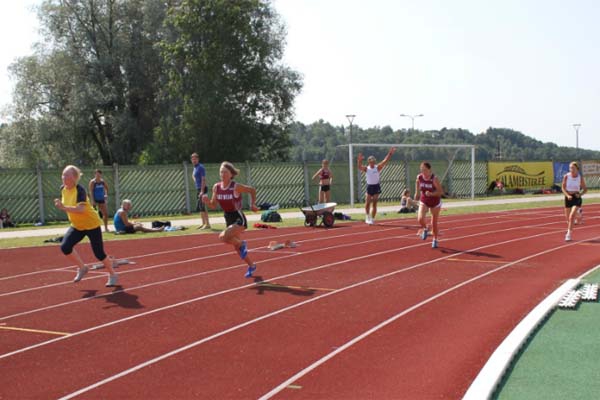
(453, 164)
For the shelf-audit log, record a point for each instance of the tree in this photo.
(89, 91)
(228, 94)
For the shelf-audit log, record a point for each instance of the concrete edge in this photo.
(489, 377)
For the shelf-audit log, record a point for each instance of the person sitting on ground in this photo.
(407, 204)
(5, 221)
(123, 225)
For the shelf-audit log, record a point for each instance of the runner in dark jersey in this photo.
(429, 193)
(228, 195)
(98, 193)
(325, 180)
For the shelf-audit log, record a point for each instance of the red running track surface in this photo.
(353, 312)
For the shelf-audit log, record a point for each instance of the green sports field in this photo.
(561, 360)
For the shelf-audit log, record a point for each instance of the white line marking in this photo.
(297, 305)
(231, 253)
(383, 324)
(243, 265)
(225, 291)
(228, 253)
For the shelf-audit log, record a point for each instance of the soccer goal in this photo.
(454, 165)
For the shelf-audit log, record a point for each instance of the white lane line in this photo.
(160, 253)
(363, 232)
(383, 324)
(202, 258)
(243, 265)
(448, 219)
(297, 305)
(225, 291)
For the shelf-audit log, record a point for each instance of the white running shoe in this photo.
(568, 236)
(368, 220)
(80, 273)
(112, 280)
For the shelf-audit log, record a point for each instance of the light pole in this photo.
(350, 120)
(577, 126)
(412, 118)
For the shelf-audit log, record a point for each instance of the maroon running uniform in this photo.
(231, 204)
(426, 185)
(325, 174)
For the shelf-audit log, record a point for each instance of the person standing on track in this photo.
(428, 190)
(199, 176)
(228, 195)
(325, 180)
(372, 170)
(573, 187)
(98, 193)
(85, 221)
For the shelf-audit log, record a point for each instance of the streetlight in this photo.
(577, 126)
(412, 117)
(350, 119)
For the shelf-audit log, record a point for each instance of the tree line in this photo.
(321, 140)
(148, 81)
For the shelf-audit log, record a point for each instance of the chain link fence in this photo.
(169, 189)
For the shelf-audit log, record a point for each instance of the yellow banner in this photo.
(522, 175)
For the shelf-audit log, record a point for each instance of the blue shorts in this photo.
(372, 190)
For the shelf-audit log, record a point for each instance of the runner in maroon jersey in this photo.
(228, 194)
(429, 193)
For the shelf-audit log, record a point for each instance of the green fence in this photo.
(169, 189)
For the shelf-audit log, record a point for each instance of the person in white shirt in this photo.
(372, 170)
(573, 187)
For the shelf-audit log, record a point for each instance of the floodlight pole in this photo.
(412, 118)
(350, 159)
(577, 126)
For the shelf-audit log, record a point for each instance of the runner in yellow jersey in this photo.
(85, 221)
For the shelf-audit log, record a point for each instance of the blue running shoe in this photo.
(434, 244)
(424, 234)
(243, 250)
(250, 270)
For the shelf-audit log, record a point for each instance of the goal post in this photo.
(457, 147)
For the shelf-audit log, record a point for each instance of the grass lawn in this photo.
(288, 222)
(561, 360)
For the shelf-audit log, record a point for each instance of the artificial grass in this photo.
(560, 361)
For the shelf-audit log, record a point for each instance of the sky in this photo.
(528, 65)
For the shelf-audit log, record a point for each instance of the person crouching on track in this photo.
(372, 171)
(573, 186)
(85, 221)
(429, 193)
(124, 225)
(228, 195)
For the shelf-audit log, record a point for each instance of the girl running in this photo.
(372, 171)
(429, 192)
(84, 222)
(325, 180)
(98, 190)
(573, 186)
(228, 194)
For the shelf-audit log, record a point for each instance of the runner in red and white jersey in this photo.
(429, 192)
(228, 195)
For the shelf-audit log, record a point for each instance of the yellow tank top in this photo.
(87, 220)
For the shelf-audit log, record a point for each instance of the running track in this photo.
(353, 312)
